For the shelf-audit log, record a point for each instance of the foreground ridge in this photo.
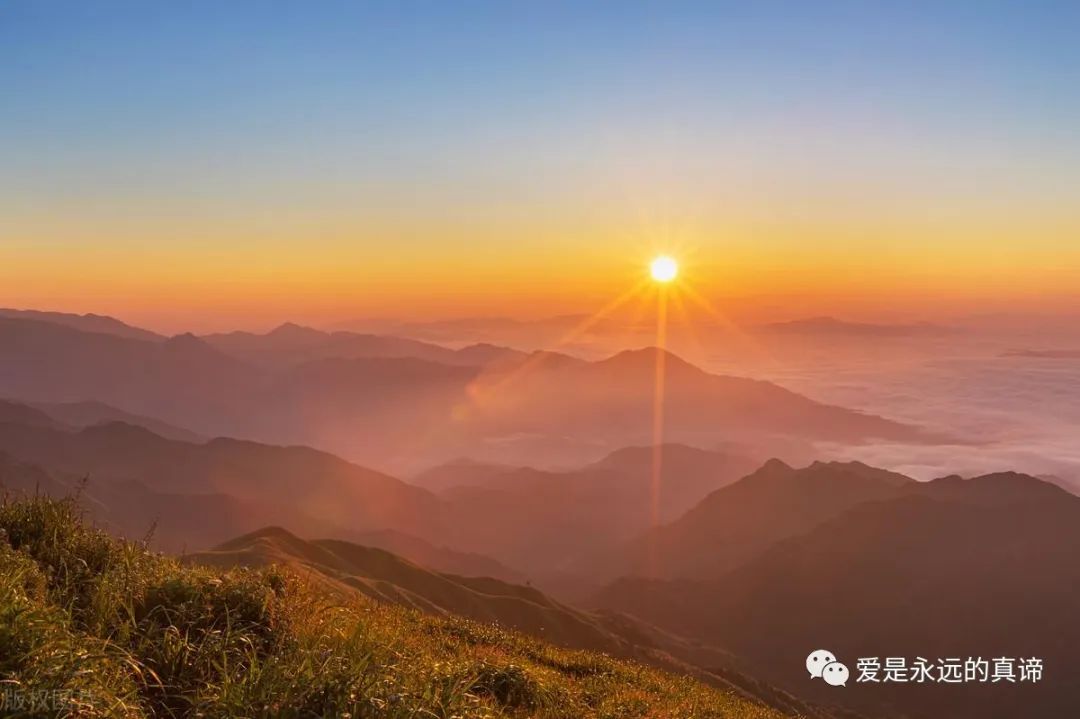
(97, 627)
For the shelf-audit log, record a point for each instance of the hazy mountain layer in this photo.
(408, 412)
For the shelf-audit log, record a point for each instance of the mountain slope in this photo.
(295, 482)
(687, 474)
(88, 617)
(614, 397)
(384, 577)
(19, 413)
(544, 520)
(440, 558)
(734, 523)
(951, 568)
(87, 414)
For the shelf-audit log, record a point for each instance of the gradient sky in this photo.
(207, 164)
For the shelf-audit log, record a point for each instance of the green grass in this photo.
(125, 632)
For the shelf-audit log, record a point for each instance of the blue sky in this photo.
(146, 82)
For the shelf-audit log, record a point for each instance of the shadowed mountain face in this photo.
(951, 568)
(739, 521)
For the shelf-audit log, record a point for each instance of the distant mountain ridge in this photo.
(291, 344)
(90, 413)
(402, 412)
(102, 324)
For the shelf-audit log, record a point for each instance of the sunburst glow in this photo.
(664, 269)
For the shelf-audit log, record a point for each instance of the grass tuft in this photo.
(91, 626)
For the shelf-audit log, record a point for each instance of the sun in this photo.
(664, 269)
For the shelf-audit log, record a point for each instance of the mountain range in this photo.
(291, 344)
(198, 494)
(402, 405)
(874, 566)
(700, 553)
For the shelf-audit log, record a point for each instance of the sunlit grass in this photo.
(129, 633)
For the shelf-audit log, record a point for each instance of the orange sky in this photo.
(750, 275)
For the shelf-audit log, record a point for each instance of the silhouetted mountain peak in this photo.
(184, 341)
(774, 465)
(549, 356)
(772, 469)
(644, 452)
(189, 348)
(483, 353)
(294, 331)
(998, 487)
(273, 533)
(859, 469)
(645, 359)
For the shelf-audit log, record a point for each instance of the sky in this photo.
(206, 165)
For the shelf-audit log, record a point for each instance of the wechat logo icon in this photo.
(822, 664)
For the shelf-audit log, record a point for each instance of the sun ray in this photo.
(686, 322)
(747, 341)
(657, 422)
(479, 391)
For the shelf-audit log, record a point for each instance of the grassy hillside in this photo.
(133, 634)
